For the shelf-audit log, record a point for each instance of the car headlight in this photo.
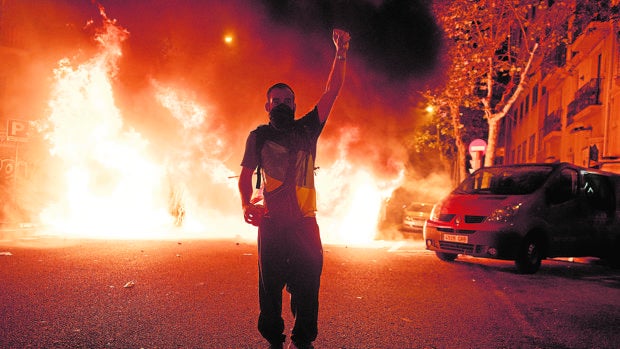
(436, 211)
(504, 214)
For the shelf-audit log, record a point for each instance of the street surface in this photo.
(57, 293)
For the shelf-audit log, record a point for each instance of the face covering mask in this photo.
(282, 117)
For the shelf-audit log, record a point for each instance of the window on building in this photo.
(535, 95)
(540, 139)
(523, 152)
(527, 104)
(532, 146)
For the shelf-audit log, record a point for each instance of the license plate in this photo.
(455, 238)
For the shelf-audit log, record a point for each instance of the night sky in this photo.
(397, 38)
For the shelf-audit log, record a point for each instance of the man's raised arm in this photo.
(336, 75)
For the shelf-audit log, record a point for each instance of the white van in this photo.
(527, 213)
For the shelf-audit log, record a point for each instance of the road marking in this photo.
(520, 319)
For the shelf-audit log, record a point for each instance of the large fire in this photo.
(112, 185)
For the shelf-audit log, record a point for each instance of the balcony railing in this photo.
(553, 122)
(589, 94)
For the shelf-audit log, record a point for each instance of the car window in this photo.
(518, 180)
(563, 187)
(599, 191)
(420, 207)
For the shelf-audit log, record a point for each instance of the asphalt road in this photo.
(202, 294)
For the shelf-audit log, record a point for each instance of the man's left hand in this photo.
(341, 40)
(253, 214)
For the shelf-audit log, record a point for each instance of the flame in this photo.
(352, 197)
(197, 161)
(111, 186)
(362, 210)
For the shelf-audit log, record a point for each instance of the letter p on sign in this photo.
(17, 130)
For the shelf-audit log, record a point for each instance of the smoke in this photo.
(397, 38)
(393, 54)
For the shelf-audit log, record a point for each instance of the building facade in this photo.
(570, 111)
(15, 159)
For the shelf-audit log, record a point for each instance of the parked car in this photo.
(415, 215)
(527, 213)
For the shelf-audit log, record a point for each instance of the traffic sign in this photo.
(477, 145)
(17, 130)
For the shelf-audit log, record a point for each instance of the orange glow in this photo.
(112, 188)
(351, 197)
(117, 182)
(358, 215)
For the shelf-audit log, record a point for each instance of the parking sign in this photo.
(17, 131)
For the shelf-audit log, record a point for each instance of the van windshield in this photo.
(518, 180)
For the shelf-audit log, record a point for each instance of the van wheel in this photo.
(446, 257)
(530, 255)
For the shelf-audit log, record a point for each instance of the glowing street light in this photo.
(228, 39)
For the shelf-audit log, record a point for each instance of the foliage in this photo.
(490, 47)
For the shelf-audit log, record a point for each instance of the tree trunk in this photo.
(492, 141)
(461, 172)
(494, 118)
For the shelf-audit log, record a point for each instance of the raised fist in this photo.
(341, 40)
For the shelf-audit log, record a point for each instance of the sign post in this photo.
(477, 149)
(16, 131)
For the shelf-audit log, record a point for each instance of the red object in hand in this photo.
(253, 214)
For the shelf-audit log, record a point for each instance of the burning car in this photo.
(415, 215)
(527, 213)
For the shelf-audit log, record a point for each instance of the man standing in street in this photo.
(289, 242)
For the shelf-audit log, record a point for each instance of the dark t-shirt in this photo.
(274, 154)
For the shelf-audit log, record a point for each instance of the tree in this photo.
(491, 48)
(431, 140)
(447, 122)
